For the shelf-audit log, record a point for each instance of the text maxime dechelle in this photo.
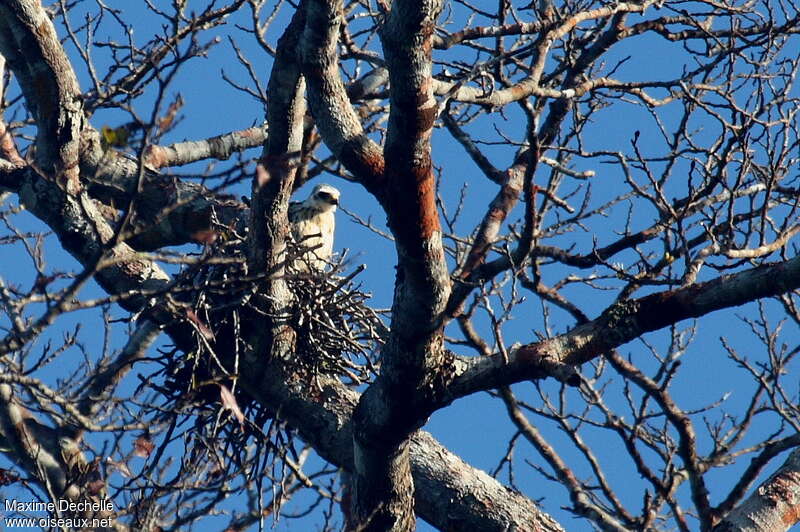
(55, 510)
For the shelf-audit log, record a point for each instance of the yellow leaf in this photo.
(117, 137)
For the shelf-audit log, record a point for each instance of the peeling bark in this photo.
(774, 506)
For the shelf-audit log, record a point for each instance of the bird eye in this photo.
(324, 195)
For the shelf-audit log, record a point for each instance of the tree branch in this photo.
(338, 123)
(619, 324)
(773, 505)
(220, 147)
(29, 42)
(413, 359)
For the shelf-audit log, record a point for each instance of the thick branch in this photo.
(774, 506)
(29, 42)
(220, 147)
(413, 360)
(338, 123)
(621, 323)
(34, 446)
(47, 454)
(449, 494)
(441, 475)
(176, 211)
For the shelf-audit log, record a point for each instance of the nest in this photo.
(337, 336)
(337, 333)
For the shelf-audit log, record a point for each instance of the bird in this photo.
(313, 224)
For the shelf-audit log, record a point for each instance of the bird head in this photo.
(324, 198)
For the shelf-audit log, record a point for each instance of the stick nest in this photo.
(337, 333)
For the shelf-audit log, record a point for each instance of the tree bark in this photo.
(773, 507)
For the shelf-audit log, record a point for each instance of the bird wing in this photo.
(295, 211)
(314, 230)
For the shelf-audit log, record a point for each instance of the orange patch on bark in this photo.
(369, 165)
(425, 115)
(792, 515)
(426, 191)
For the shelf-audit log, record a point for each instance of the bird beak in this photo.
(334, 201)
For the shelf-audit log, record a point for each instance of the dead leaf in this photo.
(120, 467)
(166, 121)
(142, 447)
(7, 477)
(96, 487)
(229, 402)
(202, 328)
(205, 236)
